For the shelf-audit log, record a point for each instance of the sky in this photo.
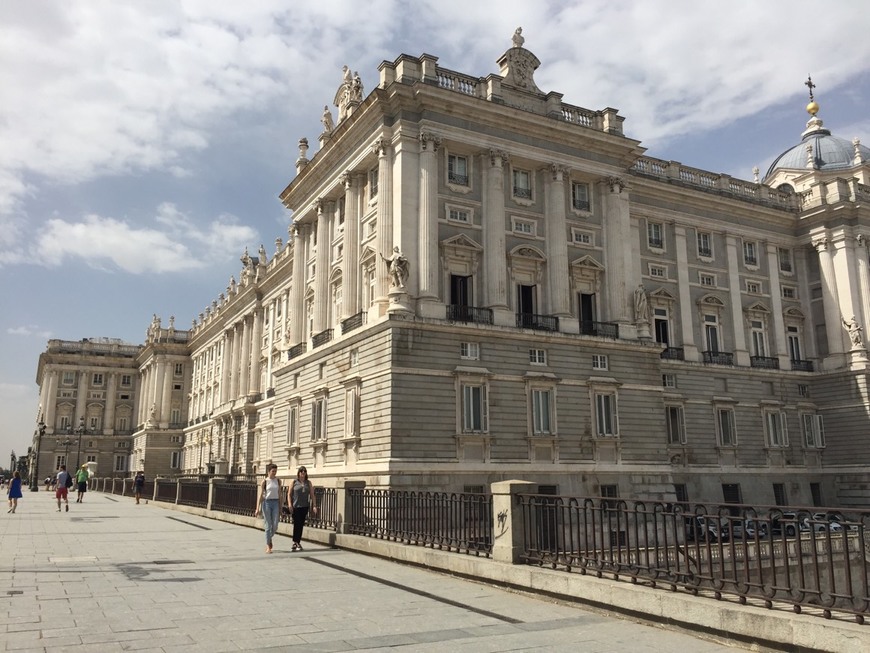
(143, 145)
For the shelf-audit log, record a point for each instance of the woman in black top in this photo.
(301, 499)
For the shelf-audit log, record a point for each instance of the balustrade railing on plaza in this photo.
(773, 556)
(236, 498)
(193, 493)
(456, 522)
(166, 491)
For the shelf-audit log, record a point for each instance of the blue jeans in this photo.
(271, 513)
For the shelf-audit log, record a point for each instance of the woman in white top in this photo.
(269, 502)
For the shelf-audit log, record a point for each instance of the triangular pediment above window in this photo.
(462, 241)
(794, 313)
(711, 300)
(757, 307)
(663, 295)
(587, 263)
(367, 253)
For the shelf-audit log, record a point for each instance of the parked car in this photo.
(790, 523)
(819, 522)
(700, 528)
(748, 529)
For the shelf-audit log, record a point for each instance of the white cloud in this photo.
(29, 330)
(176, 244)
(14, 390)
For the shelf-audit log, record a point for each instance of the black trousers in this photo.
(299, 515)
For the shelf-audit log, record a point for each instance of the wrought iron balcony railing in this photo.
(353, 322)
(603, 329)
(673, 354)
(538, 322)
(321, 338)
(718, 357)
(765, 362)
(460, 313)
(296, 350)
(802, 366)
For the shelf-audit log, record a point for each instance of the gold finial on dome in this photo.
(813, 106)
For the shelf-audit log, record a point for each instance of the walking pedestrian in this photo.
(302, 498)
(63, 482)
(14, 491)
(138, 484)
(82, 476)
(269, 503)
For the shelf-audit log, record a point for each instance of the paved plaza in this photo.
(112, 576)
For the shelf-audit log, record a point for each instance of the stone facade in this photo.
(482, 282)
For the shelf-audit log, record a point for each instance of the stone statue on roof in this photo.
(518, 38)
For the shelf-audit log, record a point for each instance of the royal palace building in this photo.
(484, 283)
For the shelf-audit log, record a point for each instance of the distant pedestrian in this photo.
(302, 498)
(138, 485)
(82, 476)
(269, 503)
(47, 483)
(63, 482)
(14, 491)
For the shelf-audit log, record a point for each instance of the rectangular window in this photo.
(681, 491)
(759, 338)
(582, 237)
(655, 235)
(658, 271)
(750, 252)
(605, 414)
(97, 380)
(373, 183)
(784, 260)
(707, 280)
(121, 463)
(814, 431)
(522, 186)
(726, 429)
(457, 170)
(779, 497)
(474, 408)
(541, 412)
(58, 461)
(175, 460)
(676, 424)
(318, 419)
(789, 292)
(731, 493)
(351, 411)
(175, 439)
(753, 287)
(599, 361)
(126, 380)
(524, 227)
(705, 244)
(175, 416)
(711, 333)
(816, 492)
(123, 424)
(469, 351)
(538, 356)
(91, 458)
(458, 215)
(777, 432)
(69, 378)
(803, 390)
(179, 369)
(354, 357)
(293, 425)
(580, 196)
(669, 381)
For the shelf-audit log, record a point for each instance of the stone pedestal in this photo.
(399, 302)
(858, 359)
(643, 332)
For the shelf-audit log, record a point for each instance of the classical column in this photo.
(494, 231)
(234, 363)
(226, 374)
(81, 396)
(49, 400)
(557, 242)
(617, 256)
(384, 228)
(778, 330)
(427, 264)
(297, 287)
(741, 354)
(321, 267)
(166, 395)
(350, 296)
(863, 263)
(833, 317)
(270, 345)
(111, 392)
(244, 365)
(687, 328)
(256, 351)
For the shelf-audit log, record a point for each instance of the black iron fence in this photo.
(193, 493)
(455, 522)
(805, 559)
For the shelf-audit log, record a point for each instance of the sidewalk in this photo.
(113, 576)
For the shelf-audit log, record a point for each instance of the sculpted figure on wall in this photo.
(855, 333)
(641, 305)
(398, 268)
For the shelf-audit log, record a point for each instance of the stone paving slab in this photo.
(112, 576)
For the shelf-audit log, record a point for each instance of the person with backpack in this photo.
(302, 498)
(138, 485)
(269, 503)
(64, 483)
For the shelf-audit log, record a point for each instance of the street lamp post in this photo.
(80, 431)
(65, 443)
(40, 431)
